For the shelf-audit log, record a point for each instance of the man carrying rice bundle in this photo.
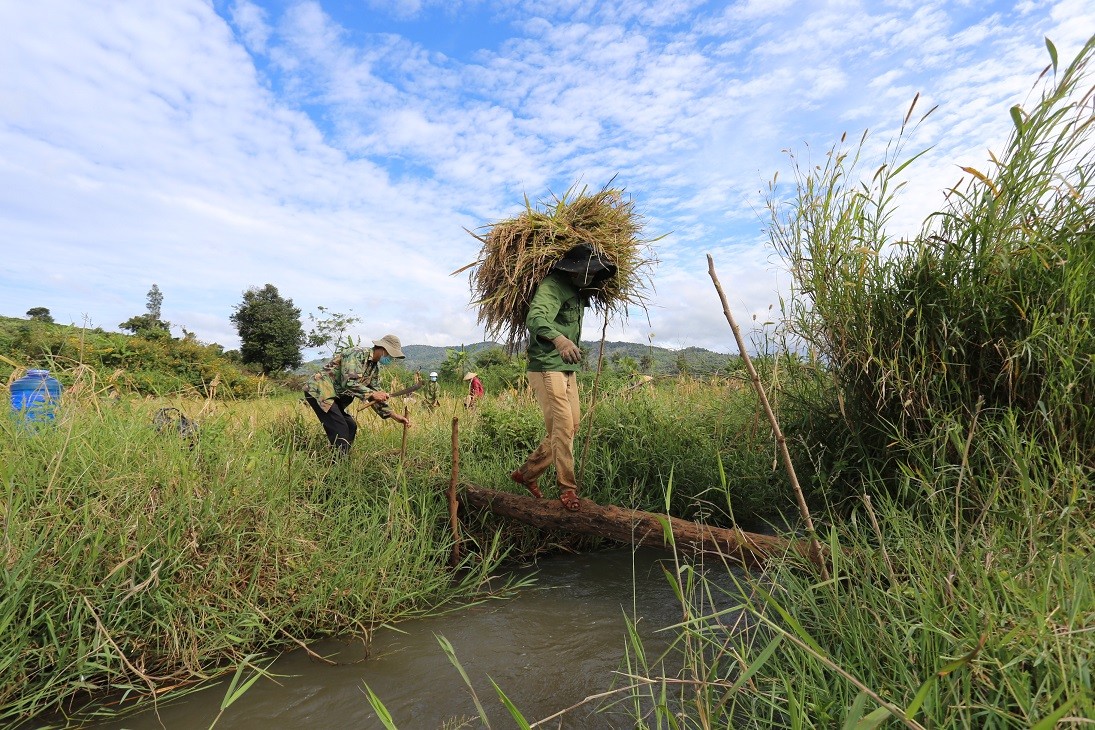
(554, 324)
(535, 276)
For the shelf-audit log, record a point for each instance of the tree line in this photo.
(270, 329)
(273, 336)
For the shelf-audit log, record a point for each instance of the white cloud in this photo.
(251, 21)
(165, 143)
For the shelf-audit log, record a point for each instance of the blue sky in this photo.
(338, 149)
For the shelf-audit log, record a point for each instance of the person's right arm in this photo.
(543, 309)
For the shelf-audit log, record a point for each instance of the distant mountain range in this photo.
(694, 360)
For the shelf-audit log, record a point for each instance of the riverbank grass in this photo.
(954, 423)
(138, 561)
(142, 560)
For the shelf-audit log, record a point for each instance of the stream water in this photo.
(549, 648)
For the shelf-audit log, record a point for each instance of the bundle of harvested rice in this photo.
(519, 252)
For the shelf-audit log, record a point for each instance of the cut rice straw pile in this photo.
(519, 252)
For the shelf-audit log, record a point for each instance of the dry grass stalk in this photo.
(781, 440)
(519, 252)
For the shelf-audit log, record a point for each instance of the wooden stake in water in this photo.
(780, 440)
(454, 477)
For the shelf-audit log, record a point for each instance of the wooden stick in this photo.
(593, 404)
(403, 443)
(780, 440)
(454, 477)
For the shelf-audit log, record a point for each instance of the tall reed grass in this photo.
(952, 415)
(987, 311)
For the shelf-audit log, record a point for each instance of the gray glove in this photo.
(567, 350)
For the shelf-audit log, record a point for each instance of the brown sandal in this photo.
(532, 487)
(570, 500)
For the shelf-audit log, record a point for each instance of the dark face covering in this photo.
(583, 281)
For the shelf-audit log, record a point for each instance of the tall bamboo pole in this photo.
(780, 439)
(454, 477)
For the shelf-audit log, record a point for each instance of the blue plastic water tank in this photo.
(35, 395)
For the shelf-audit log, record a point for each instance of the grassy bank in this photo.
(135, 563)
(153, 363)
(985, 621)
(138, 560)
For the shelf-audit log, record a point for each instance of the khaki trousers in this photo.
(557, 395)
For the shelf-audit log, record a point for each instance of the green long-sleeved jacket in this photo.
(556, 309)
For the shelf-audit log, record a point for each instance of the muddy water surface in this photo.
(548, 649)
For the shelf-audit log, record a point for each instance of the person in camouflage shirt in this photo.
(352, 373)
(433, 395)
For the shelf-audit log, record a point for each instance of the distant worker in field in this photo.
(432, 393)
(352, 373)
(554, 324)
(475, 390)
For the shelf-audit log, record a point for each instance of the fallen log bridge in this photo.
(637, 528)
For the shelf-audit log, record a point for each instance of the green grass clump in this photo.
(925, 621)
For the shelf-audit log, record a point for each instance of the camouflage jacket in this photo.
(349, 373)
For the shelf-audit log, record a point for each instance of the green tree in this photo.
(329, 329)
(455, 365)
(155, 301)
(491, 357)
(39, 314)
(624, 364)
(498, 369)
(270, 331)
(149, 325)
(146, 326)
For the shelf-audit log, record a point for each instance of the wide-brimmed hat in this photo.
(391, 344)
(469, 376)
(584, 260)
